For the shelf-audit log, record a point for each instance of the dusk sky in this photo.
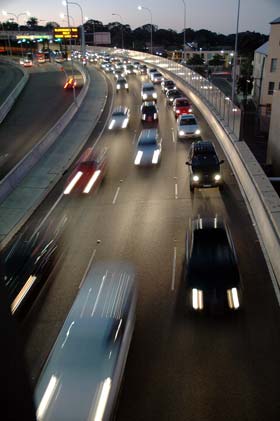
(215, 15)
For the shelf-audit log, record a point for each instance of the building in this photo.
(206, 55)
(267, 74)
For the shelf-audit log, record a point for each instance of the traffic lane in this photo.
(150, 242)
(10, 77)
(42, 102)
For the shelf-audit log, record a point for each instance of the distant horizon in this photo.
(216, 16)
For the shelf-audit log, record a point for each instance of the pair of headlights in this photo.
(217, 177)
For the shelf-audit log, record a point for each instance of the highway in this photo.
(42, 102)
(9, 76)
(180, 366)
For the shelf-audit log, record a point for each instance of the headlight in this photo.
(111, 124)
(217, 177)
(118, 86)
(177, 111)
(144, 117)
(155, 95)
(197, 131)
(197, 299)
(155, 116)
(190, 110)
(233, 300)
(126, 85)
(181, 133)
(138, 158)
(145, 96)
(125, 123)
(195, 178)
(156, 156)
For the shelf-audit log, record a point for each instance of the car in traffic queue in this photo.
(187, 127)
(118, 73)
(130, 69)
(167, 84)
(27, 62)
(120, 118)
(136, 64)
(148, 92)
(212, 278)
(70, 83)
(88, 172)
(121, 84)
(142, 69)
(157, 77)
(182, 106)
(204, 166)
(148, 149)
(149, 112)
(172, 94)
(151, 71)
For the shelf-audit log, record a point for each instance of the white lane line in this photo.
(173, 135)
(174, 269)
(176, 191)
(116, 195)
(88, 267)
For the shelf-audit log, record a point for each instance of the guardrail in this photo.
(10, 100)
(224, 118)
(13, 178)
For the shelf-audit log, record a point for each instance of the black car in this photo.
(149, 112)
(173, 94)
(212, 276)
(167, 85)
(204, 166)
(143, 69)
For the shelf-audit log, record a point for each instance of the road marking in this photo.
(88, 267)
(176, 191)
(134, 137)
(116, 195)
(174, 269)
(173, 135)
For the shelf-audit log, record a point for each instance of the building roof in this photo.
(275, 21)
(263, 49)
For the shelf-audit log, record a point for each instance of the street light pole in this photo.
(72, 65)
(235, 55)
(116, 14)
(149, 10)
(82, 16)
(184, 31)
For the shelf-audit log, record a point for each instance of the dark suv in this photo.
(204, 166)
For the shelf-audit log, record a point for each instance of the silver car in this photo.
(120, 118)
(148, 149)
(187, 127)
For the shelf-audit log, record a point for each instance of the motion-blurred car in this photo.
(148, 149)
(118, 73)
(136, 64)
(204, 166)
(130, 69)
(142, 69)
(157, 77)
(27, 62)
(148, 92)
(187, 127)
(149, 112)
(166, 85)
(182, 106)
(172, 94)
(212, 276)
(88, 173)
(70, 83)
(120, 118)
(152, 70)
(121, 84)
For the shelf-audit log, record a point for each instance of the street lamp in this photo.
(66, 3)
(235, 55)
(5, 13)
(184, 31)
(116, 14)
(146, 8)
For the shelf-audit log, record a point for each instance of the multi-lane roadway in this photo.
(180, 367)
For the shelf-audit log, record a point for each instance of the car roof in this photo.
(148, 134)
(120, 109)
(148, 85)
(203, 146)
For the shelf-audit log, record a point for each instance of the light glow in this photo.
(138, 158)
(91, 182)
(73, 182)
(19, 298)
(181, 133)
(103, 400)
(217, 177)
(45, 401)
(197, 131)
(125, 123)
(118, 86)
(111, 124)
(232, 296)
(195, 178)
(155, 95)
(156, 156)
(197, 299)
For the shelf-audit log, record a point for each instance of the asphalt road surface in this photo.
(42, 102)
(9, 76)
(180, 367)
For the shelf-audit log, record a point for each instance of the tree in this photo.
(217, 60)
(51, 25)
(32, 23)
(195, 60)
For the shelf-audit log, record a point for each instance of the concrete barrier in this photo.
(10, 100)
(13, 178)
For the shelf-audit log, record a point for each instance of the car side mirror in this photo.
(221, 161)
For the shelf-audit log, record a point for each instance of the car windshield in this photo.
(118, 114)
(172, 92)
(206, 161)
(212, 263)
(148, 141)
(183, 103)
(149, 110)
(187, 122)
(121, 81)
(148, 89)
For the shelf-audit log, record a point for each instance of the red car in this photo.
(182, 106)
(88, 173)
(70, 83)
